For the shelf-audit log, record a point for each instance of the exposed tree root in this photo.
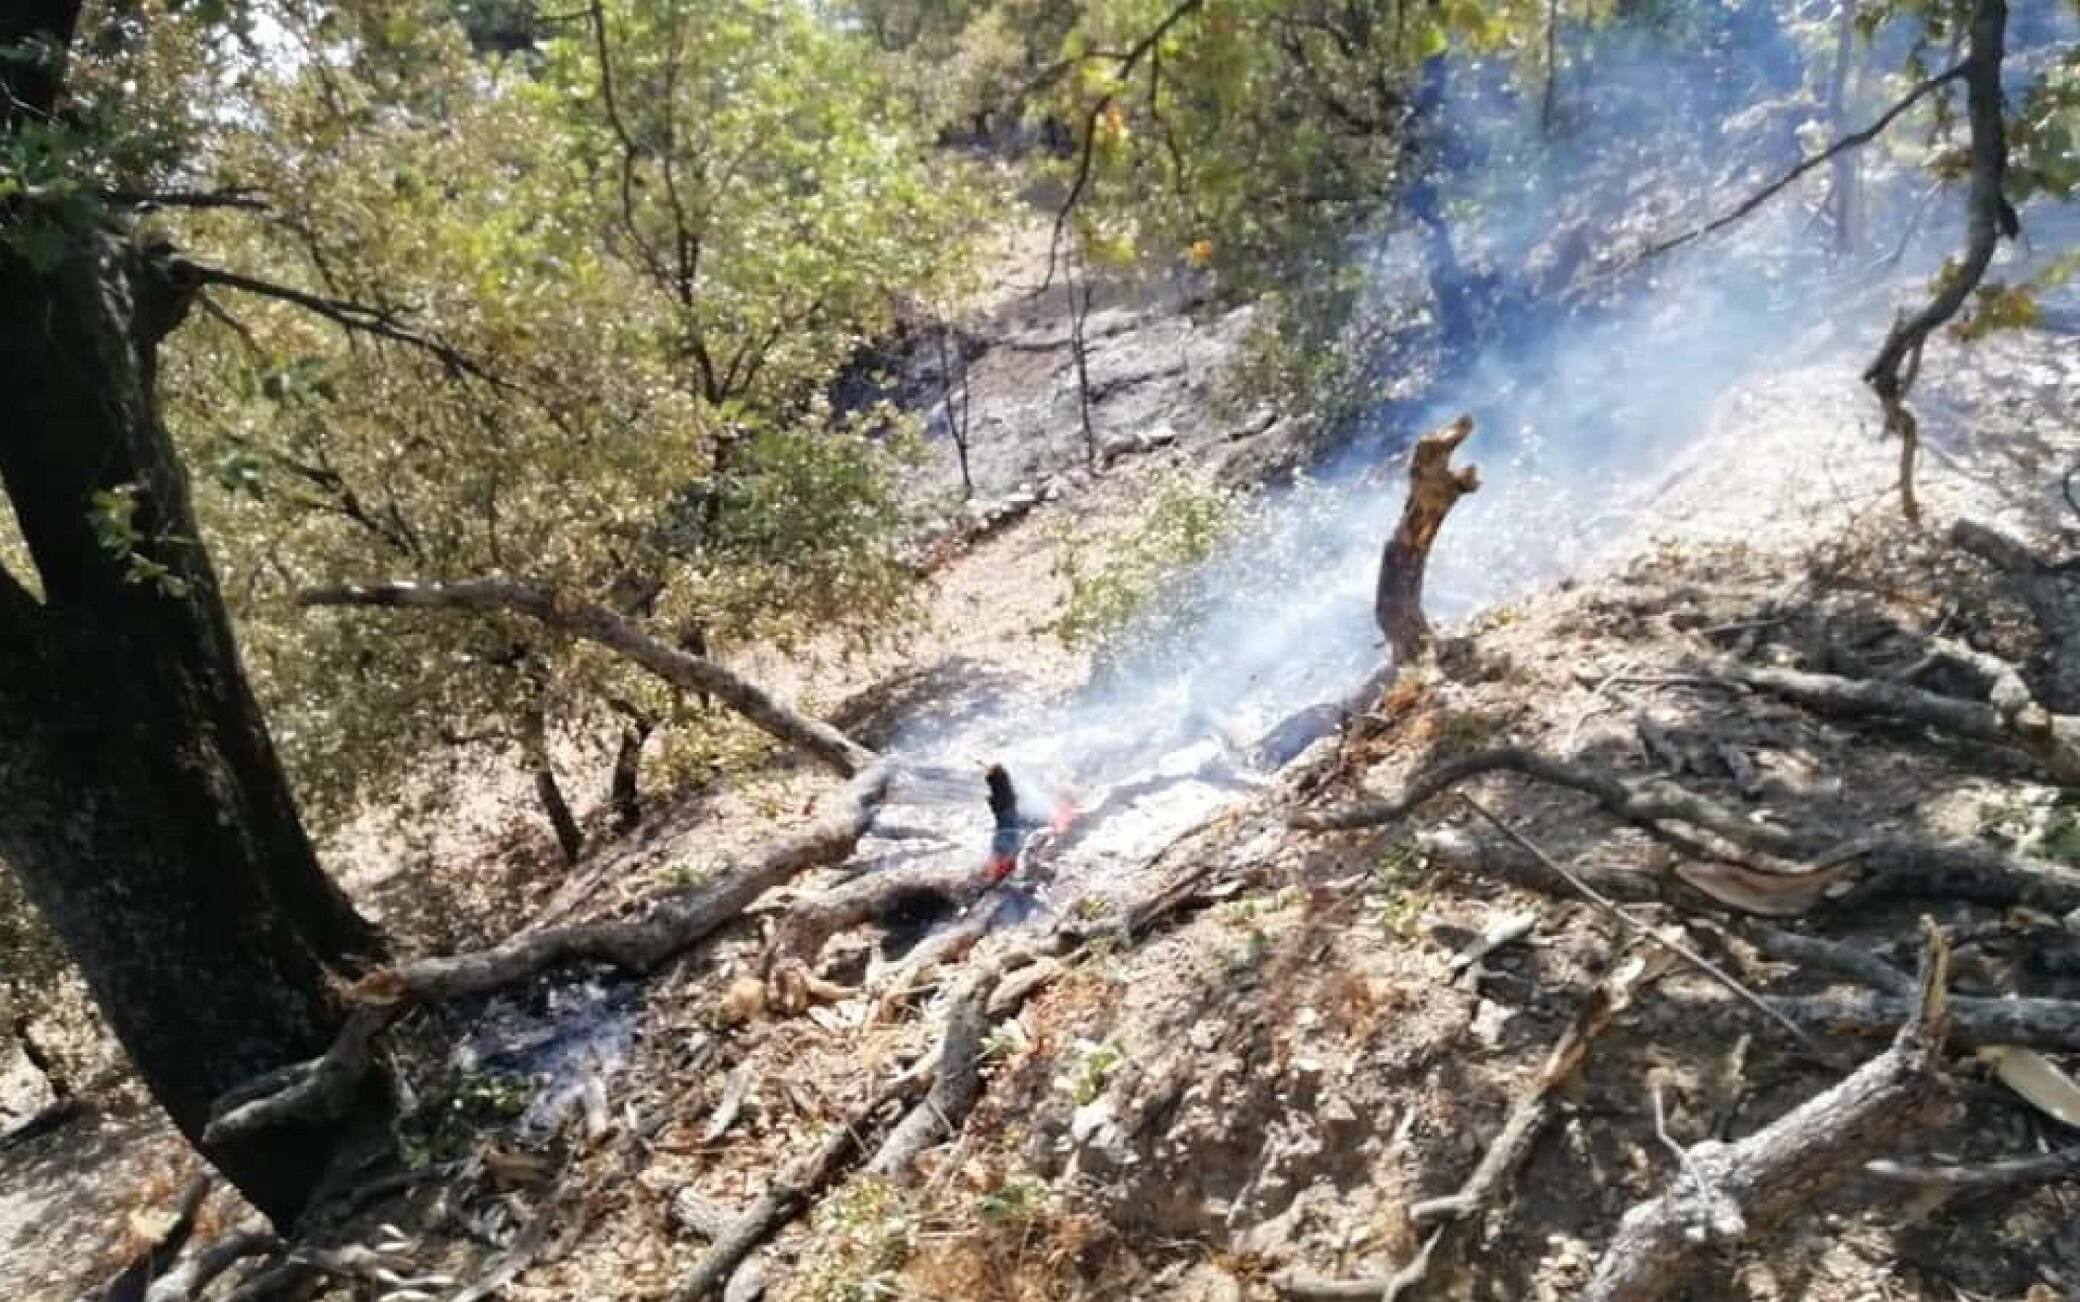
(595, 623)
(315, 1090)
(323, 1089)
(799, 938)
(156, 1258)
(195, 1273)
(1434, 487)
(1729, 1192)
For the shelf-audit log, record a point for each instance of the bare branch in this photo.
(1853, 140)
(358, 318)
(1730, 1192)
(591, 622)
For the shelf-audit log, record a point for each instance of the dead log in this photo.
(1434, 487)
(195, 1272)
(156, 1257)
(1731, 1192)
(799, 938)
(669, 927)
(956, 1081)
(591, 622)
(947, 945)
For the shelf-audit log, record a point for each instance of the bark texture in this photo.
(141, 799)
(1434, 487)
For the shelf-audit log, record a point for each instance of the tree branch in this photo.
(356, 318)
(1729, 1192)
(595, 623)
(1854, 140)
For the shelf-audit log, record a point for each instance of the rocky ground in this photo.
(1246, 1097)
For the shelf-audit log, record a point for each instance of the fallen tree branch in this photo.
(2051, 590)
(791, 1191)
(2052, 740)
(1733, 1191)
(1641, 929)
(2034, 1023)
(1534, 1105)
(1888, 866)
(956, 1081)
(592, 622)
(799, 938)
(1815, 953)
(1314, 1288)
(1434, 488)
(669, 927)
(2008, 1173)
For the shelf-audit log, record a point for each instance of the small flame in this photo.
(1065, 812)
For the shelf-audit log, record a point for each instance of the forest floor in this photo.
(1260, 1086)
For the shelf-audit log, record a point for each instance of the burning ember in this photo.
(1014, 827)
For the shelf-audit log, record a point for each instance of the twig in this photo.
(2004, 1174)
(1634, 925)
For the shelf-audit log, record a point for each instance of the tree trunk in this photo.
(624, 791)
(534, 740)
(141, 800)
(1434, 487)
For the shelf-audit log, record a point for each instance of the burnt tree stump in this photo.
(1434, 487)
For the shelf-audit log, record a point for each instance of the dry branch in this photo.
(595, 623)
(1988, 217)
(800, 936)
(1975, 1022)
(2052, 740)
(1889, 865)
(1733, 1191)
(2007, 1173)
(791, 1192)
(667, 928)
(2052, 593)
(1534, 1106)
(956, 1081)
(1434, 487)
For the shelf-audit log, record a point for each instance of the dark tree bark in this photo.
(624, 787)
(534, 740)
(141, 800)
